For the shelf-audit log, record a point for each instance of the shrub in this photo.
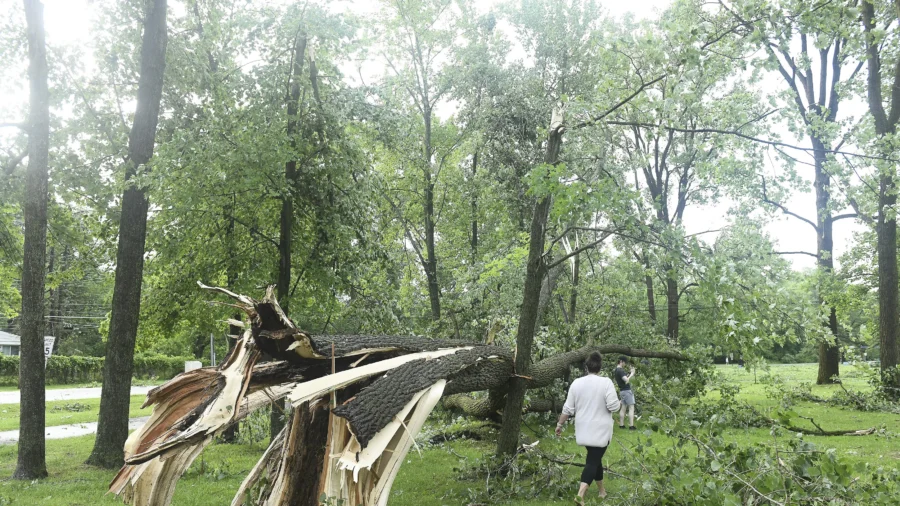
(63, 370)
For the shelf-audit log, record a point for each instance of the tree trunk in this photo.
(886, 227)
(672, 297)
(829, 353)
(434, 292)
(276, 420)
(548, 286)
(31, 458)
(384, 402)
(888, 319)
(512, 414)
(302, 459)
(112, 428)
(474, 240)
(651, 298)
(231, 433)
(571, 317)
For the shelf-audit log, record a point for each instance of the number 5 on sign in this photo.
(48, 348)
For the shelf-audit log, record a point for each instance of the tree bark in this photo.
(886, 227)
(276, 419)
(829, 353)
(434, 291)
(112, 428)
(302, 459)
(535, 269)
(32, 451)
(474, 240)
(672, 297)
(651, 303)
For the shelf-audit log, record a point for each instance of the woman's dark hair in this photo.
(593, 363)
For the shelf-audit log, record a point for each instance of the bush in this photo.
(63, 370)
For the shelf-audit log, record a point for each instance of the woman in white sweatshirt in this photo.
(592, 399)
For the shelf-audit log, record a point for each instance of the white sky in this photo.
(69, 22)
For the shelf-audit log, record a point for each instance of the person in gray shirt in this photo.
(624, 382)
(592, 400)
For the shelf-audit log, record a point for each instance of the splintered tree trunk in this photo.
(534, 274)
(672, 313)
(829, 353)
(302, 458)
(31, 460)
(380, 390)
(285, 245)
(112, 428)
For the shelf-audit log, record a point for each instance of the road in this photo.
(63, 431)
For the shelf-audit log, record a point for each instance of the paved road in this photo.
(67, 394)
(63, 431)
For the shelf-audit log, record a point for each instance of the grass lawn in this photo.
(211, 481)
(429, 477)
(68, 412)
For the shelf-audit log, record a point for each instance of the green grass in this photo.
(210, 481)
(68, 412)
(429, 477)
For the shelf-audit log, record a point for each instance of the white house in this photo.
(9, 344)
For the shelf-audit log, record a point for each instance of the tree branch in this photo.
(784, 209)
(597, 119)
(579, 250)
(14, 162)
(795, 253)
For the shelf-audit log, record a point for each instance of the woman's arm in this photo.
(563, 418)
(568, 410)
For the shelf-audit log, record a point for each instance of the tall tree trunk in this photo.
(672, 297)
(508, 439)
(31, 459)
(886, 227)
(231, 433)
(573, 306)
(474, 239)
(112, 428)
(829, 353)
(276, 420)
(888, 300)
(434, 292)
(651, 297)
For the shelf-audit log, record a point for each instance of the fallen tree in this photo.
(358, 401)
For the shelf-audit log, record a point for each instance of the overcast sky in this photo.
(70, 21)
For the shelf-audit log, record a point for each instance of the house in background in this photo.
(9, 344)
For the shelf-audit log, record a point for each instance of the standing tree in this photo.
(31, 464)
(885, 130)
(803, 41)
(421, 34)
(112, 428)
